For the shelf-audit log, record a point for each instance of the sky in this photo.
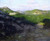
(23, 5)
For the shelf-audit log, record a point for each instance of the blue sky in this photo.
(23, 5)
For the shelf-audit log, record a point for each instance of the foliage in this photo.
(34, 18)
(31, 17)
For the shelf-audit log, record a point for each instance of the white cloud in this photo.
(25, 4)
(44, 7)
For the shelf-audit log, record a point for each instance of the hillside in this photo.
(29, 12)
(35, 16)
(8, 10)
(36, 11)
(12, 28)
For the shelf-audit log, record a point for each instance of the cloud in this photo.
(31, 1)
(44, 7)
(25, 4)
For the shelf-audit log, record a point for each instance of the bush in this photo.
(34, 18)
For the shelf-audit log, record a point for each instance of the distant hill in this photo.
(29, 12)
(8, 10)
(36, 11)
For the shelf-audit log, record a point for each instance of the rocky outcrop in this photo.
(46, 23)
(20, 29)
(10, 25)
